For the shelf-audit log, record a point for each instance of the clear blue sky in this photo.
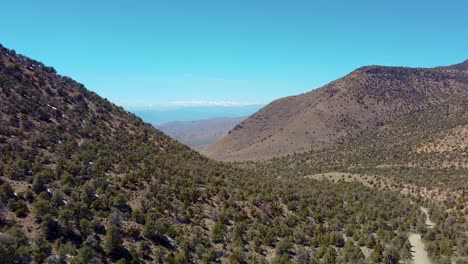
(161, 52)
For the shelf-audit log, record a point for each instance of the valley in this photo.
(347, 173)
(234, 132)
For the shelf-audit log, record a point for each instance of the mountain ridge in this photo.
(364, 99)
(459, 66)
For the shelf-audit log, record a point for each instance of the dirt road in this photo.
(420, 255)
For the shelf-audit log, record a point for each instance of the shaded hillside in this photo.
(83, 181)
(201, 133)
(366, 99)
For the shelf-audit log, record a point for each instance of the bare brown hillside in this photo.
(367, 98)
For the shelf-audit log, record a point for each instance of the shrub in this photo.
(113, 243)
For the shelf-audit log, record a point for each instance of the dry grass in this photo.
(451, 140)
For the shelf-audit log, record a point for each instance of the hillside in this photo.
(200, 134)
(366, 99)
(459, 66)
(75, 168)
(423, 155)
(83, 181)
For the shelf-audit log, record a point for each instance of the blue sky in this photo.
(139, 53)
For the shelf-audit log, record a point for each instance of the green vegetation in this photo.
(84, 181)
(390, 155)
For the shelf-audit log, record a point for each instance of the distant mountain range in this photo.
(160, 115)
(200, 134)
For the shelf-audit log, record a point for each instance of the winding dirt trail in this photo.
(429, 223)
(420, 255)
